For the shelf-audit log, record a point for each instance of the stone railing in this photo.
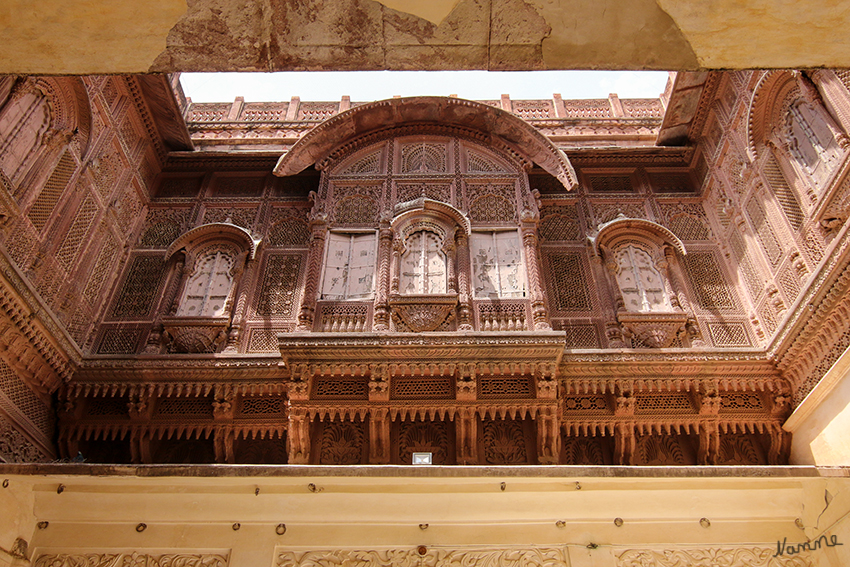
(502, 317)
(344, 317)
(310, 111)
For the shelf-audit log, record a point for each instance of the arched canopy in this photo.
(498, 127)
(772, 89)
(70, 108)
(215, 232)
(446, 216)
(620, 227)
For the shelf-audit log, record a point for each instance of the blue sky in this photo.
(375, 85)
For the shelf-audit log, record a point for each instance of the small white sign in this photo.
(422, 458)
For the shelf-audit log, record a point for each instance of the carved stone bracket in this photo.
(195, 334)
(655, 330)
(423, 312)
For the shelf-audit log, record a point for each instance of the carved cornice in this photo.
(34, 343)
(413, 410)
(359, 348)
(667, 370)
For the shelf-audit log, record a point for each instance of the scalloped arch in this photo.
(496, 125)
(621, 226)
(218, 231)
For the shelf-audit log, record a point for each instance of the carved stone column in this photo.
(463, 288)
(223, 443)
(381, 317)
(535, 285)
(548, 436)
(395, 264)
(314, 272)
(298, 437)
(466, 430)
(607, 295)
(244, 275)
(175, 279)
(624, 443)
(624, 431)
(379, 436)
(780, 446)
(834, 95)
(709, 443)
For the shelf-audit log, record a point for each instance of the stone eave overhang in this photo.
(176, 374)
(669, 156)
(248, 160)
(422, 348)
(588, 370)
(688, 107)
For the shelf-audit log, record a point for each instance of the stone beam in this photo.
(100, 36)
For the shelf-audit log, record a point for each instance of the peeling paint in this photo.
(435, 11)
(612, 34)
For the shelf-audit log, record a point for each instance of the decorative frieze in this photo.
(415, 557)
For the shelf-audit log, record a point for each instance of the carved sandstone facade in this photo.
(496, 282)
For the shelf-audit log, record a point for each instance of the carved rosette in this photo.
(655, 330)
(423, 312)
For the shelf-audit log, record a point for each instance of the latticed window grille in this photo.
(261, 406)
(422, 388)
(741, 401)
(710, 286)
(349, 266)
(196, 407)
(370, 164)
(67, 253)
(784, 194)
(729, 334)
(25, 399)
(504, 387)
(648, 403)
(46, 201)
(340, 388)
(568, 276)
(140, 287)
(764, 232)
(278, 289)
(119, 341)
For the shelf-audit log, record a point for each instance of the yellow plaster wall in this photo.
(821, 423)
(103, 36)
(447, 510)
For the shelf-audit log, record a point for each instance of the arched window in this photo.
(208, 288)
(641, 284)
(811, 142)
(423, 264)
